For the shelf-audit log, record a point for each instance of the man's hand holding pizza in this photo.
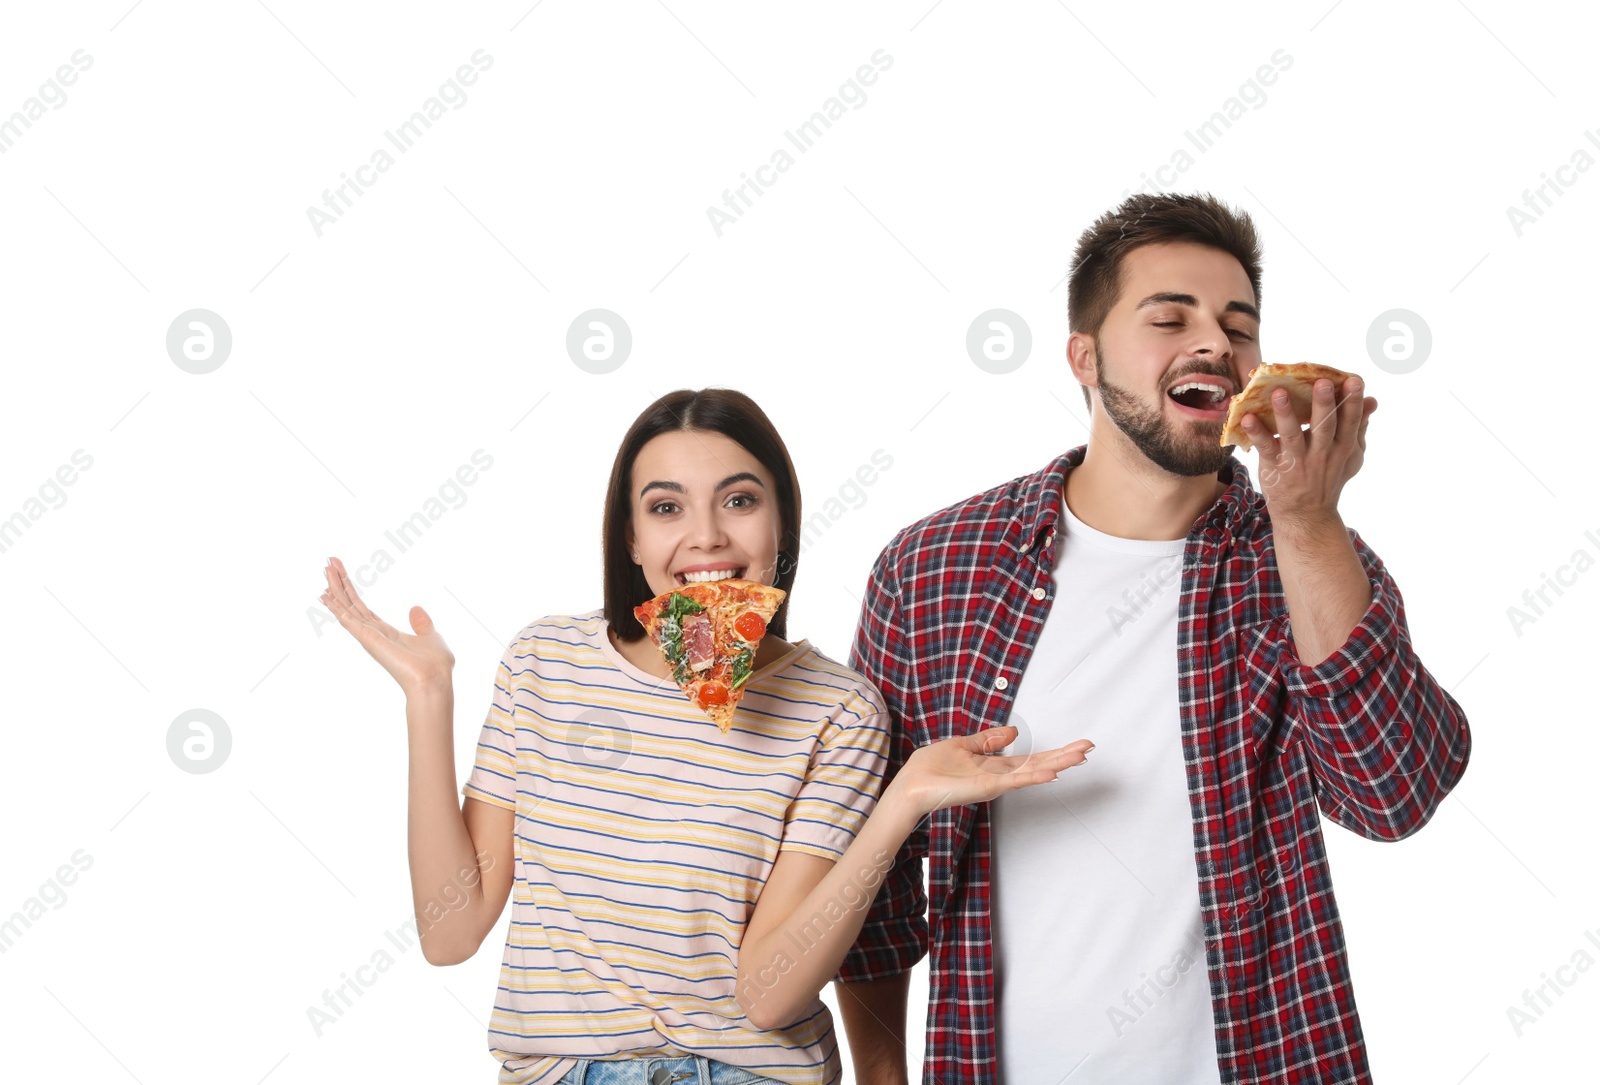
(1302, 474)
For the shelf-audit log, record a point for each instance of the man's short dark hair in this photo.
(1095, 280)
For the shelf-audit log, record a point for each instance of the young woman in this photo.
(679, 895)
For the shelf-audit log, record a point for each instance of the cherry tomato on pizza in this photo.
(750, 626)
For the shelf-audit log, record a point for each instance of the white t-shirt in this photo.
(1100, 967)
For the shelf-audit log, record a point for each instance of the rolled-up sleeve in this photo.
(1385, 741)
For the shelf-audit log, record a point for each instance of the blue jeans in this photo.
(689, 1070)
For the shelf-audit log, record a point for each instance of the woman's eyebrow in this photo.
(677, 488)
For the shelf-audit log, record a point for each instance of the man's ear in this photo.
(1080, 356)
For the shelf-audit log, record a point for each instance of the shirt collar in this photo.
(1042, 495)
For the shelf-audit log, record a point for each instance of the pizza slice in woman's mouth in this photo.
(708, 633)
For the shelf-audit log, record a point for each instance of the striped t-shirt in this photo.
(643, 837)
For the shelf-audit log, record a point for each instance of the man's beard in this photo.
(1179, 449)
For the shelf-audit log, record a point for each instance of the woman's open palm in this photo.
(962, 770)
(416, 661)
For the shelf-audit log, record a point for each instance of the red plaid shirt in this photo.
(953, 610)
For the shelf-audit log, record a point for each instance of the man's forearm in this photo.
(874, 1013)
(1324, 585)
(1386, 741)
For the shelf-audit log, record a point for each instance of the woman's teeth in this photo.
(701, 578)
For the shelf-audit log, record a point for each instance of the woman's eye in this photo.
(749, 500)
(659, 505)
(1168, 324)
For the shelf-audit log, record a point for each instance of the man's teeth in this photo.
(701, 578)
(1218, 393)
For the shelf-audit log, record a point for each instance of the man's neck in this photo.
(1116, 490)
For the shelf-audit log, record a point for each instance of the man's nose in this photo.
(1214, 343)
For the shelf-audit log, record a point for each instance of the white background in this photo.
(181, 569)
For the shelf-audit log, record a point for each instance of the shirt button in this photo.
(1050, 538)
(1001, 683)
(1038, 593)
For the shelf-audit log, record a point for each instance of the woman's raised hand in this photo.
(963, 770)
(418, 662)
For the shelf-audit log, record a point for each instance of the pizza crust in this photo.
(1297, 378)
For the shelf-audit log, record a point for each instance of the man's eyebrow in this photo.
(1189, 299)
(677, 488)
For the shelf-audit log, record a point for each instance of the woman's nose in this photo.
(705, 529)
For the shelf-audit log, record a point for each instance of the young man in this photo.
(1241, 661)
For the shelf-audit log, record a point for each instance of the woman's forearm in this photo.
(782, 973)
(446, 886)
